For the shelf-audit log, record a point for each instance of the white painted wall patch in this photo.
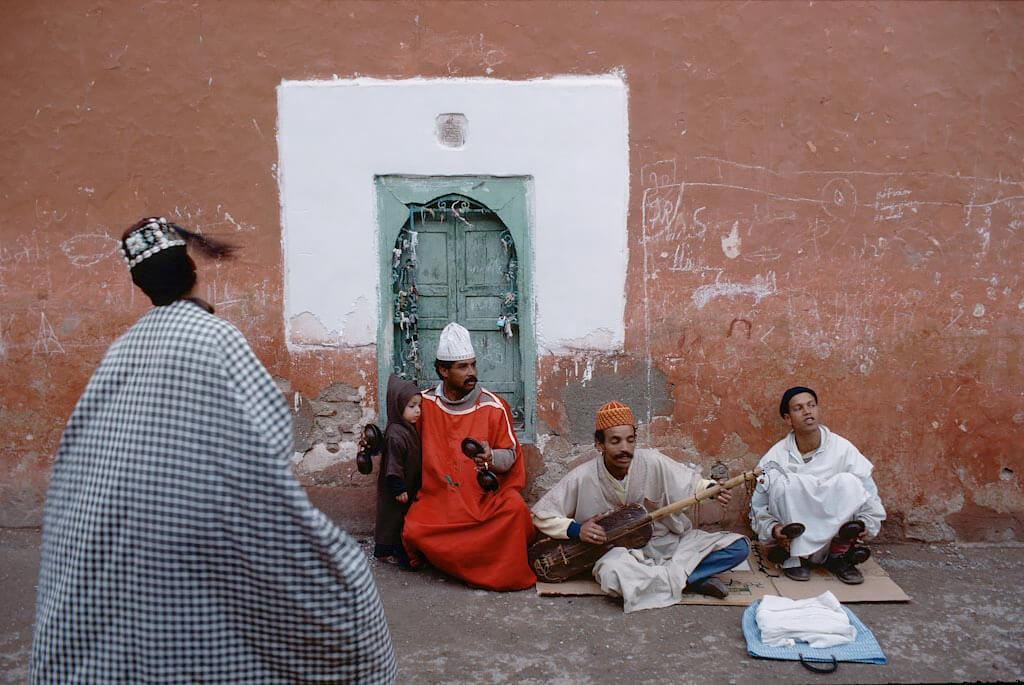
(569, 134)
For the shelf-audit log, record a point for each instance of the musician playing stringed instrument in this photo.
(678, 556)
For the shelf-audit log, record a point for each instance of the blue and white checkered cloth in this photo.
(177, 545)
(864, 649)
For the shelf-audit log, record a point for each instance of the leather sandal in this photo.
(799, 573)
(711, 587)
(841, 567)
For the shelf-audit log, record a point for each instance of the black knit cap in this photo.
(790, 394)
(167, 276)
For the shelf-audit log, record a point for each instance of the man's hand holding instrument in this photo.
(630, 526)
(480, 453)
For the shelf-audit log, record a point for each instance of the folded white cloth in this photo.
(819, 621)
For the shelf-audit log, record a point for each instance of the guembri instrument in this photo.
(630, 526)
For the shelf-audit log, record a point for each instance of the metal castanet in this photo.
(371, 444)
(629, 526)
(485, 478)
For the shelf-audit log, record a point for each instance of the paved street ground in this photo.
(965, 624)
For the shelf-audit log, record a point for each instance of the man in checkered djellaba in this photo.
(177, 545)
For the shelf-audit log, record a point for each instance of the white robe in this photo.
(655, 575)
(834, 486)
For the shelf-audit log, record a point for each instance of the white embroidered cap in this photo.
(155, 235)
(454, 344)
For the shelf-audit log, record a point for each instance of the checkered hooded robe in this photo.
(177, 545)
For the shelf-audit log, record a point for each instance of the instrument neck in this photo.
(707, 493)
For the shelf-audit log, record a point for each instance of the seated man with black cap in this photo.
(816, 501)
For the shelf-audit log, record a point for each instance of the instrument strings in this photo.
(629, 528)
(663, 511)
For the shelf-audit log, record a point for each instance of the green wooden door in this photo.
(456, 259)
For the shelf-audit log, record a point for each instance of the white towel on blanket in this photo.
(819, 621)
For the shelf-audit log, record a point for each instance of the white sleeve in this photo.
(554, 527)
(761, 521)
(872, 513)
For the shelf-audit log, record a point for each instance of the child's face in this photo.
(411, 413)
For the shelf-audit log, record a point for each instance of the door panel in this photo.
(485, 258)
(434, 309)
(432, 267)
(460, 262)
(482, 308)
(497, 361)
(436, 306)
(460, 274)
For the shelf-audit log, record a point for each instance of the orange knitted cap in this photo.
(614, 414)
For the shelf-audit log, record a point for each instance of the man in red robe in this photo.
(477, 536)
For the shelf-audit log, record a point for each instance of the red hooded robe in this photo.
(479, 537)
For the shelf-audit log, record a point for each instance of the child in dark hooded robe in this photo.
(400, 470)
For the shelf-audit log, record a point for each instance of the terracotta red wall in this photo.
(823, 193)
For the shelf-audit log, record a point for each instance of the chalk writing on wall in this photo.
(46, 339)
(87, 249)
(760, 287)
(809, 259)
(891, 203)
(5, 324)
(22, 250)
(839, 198)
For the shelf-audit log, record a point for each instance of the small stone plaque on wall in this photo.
(450, 130)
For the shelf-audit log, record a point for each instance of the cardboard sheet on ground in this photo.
(751, 581)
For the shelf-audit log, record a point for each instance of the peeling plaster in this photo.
(320, 458)
(360, 323)
(731, 243)
(928, 522)
(307, 329)
(1004, 497)
(600, 339)
(751, 414)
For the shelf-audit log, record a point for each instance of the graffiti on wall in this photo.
(838, 269)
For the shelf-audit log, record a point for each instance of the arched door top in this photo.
(481, 227)
(455, 260)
